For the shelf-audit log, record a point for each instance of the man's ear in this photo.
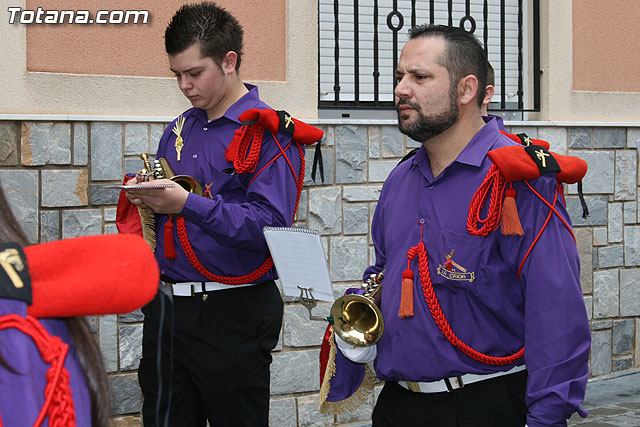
(229, 61)
(489, 91)
(468, 89)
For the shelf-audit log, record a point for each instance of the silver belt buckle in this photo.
(169, 286)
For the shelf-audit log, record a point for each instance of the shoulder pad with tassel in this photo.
(529, 160)
(278, 122)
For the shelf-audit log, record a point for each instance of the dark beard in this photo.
(426, 127)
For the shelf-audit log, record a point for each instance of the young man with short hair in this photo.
(227, 309)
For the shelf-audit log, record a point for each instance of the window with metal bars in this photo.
(360, 43)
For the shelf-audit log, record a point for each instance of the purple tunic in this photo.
(487, 305)
(22, 391)
(226, 230)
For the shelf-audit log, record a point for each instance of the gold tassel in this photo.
(148, 220)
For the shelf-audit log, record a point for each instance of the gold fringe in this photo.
(148, 220)
(352, 402)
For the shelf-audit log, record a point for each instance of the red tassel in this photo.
(511, 225)
(406, 299)
(169, 248)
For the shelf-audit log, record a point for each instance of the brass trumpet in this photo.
(161, 169)
(357, 318)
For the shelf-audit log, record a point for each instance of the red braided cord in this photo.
(61, 412)
(58, 403)
(252, 142)
(227, 280)
(268, 263)
(411, 253)
(443, 324)
(494, 182)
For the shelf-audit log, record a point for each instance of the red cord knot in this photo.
(411, 253)
(51, 349)
(511, 192)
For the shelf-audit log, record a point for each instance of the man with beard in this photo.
(462, 300)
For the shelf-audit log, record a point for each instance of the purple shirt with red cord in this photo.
(24, 378)
(489, 307)
(225, 230)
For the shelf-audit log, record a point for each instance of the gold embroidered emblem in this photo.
(448, 270)
(207, 191)
(527, 141)
(541, 155)
(287, 121)
(12, 263)
(177, 129)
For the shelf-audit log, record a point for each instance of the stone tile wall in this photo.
(53, 175)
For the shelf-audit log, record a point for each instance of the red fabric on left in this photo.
(127, 216)
(324, 352)
(91, 275)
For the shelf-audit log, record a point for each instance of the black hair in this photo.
(491, 75)
(89, 354)
(463, 54)
(214, 29)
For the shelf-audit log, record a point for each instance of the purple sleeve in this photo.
(270, 201)
(557, 332)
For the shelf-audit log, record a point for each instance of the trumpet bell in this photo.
(188, 183)
(357, 320)
(162, 169)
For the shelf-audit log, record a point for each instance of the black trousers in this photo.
(219, 365)
(496, 402)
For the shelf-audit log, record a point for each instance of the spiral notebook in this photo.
(299, 259)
